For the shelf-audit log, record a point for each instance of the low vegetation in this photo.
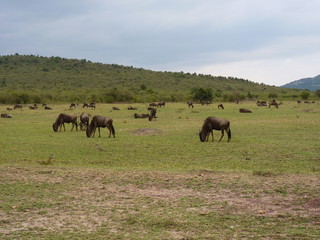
(156, 179)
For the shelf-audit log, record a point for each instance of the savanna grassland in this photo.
(156, 180)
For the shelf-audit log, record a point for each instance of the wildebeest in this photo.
(153, 113)
(9, 109)
(244, 110)
(73, 105)
(6, 115)
(84, 121)
(143, 115)
(17, 106)
(91, 105)
(115, 108)
(190, 104)
(132, 108)
(33, 107)
(100, 122)
(220, 106)
(47, 107)
(261, 103)
(214, 123)
(160, 104)
(273, 103)
(65, 118)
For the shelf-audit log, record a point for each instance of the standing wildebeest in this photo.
(84, 121)
(17, 106)
(213, 123)
(244, 110)
(153, 113)
(220, 106)
(274, 103)
(98, 122)
(190, 104)
(65, 118)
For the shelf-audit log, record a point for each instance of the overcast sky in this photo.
(265, 41)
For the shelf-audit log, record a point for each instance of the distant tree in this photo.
(200, 94)
(143, 87)
(317, 93)
(305, 94)
(272, 95)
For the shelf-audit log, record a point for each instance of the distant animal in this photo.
(100, 122)
(190, 104)
(244, 110)
(115, 108)
(47, 107)
(6, 115)
(65, 118)
(17, 106)
(9, 109)
(261, 103)
(153, 104)
(214, 123)
(33, 107)
(84, 121)
(299, 101)
(132, 108)
(160, 104)
(153, 113)
(273, 103)
(143, 115)
(73, 105)
(220, 106)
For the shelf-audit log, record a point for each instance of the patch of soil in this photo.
(146, 131)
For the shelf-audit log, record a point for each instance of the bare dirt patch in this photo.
(146, 131)
(51, 199)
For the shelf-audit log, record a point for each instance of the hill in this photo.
(29, 79)
(311, 84)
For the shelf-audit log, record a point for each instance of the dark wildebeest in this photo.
(33, 107)
(213, 123)
(143, 115)
(273, 103)
(9, 109)
(73, 105)
(261, 103)
(153, 113)
(84, 121)
(153, 104)
(244, 110)
(6, 115)
(115, 108)
(65, 118)
(132, 108)
(220, 106)
(190, 104)
(100, 122)
(47, 108)
(17, 106)
(160, 104)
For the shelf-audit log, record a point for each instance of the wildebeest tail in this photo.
(229, 133)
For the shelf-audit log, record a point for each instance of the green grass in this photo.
(156, 180)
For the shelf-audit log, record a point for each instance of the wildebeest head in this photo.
(55, 127)
(202, 136)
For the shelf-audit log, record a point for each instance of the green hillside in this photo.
(29, 79)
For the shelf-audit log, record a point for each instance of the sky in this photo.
(265, 41)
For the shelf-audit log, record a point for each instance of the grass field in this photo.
(156, 180)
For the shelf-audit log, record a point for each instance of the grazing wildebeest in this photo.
(33, 107)
(261, 103)
(100, 122)
(9, 109)
(84, 121)
(214, 123)
(220, 106)
(299, 101)
(17, 106)
(115, 108)
(273, 103)
(65, 118)
(132, 108)
(153, 104)
(47, 108)
(73, 105)
(244, 110)
(160, 104)
(6, 115)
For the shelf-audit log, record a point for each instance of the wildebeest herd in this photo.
(210, 123)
